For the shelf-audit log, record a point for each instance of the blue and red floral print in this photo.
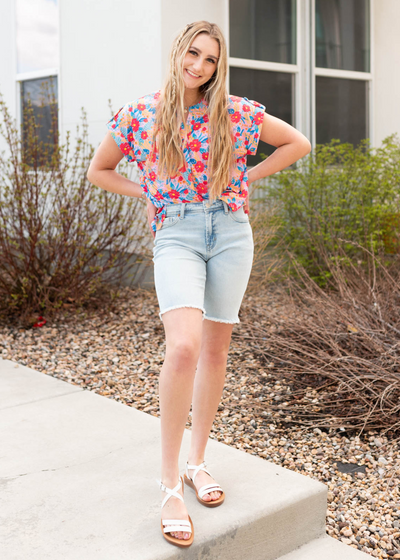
(133, 129)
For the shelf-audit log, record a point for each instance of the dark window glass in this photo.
(342, 34)
(39, 109)
(263, 30)
(341, 110)
(272, 89)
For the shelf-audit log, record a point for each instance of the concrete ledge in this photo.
(325, 548)
(78, 477)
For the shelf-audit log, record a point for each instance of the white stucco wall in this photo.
(178, 13)
(7, 58)
(386, 88)
(110, 49)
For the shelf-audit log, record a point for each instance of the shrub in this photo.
(60, 237)
(339, 196)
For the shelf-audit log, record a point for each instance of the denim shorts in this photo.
(203, 255)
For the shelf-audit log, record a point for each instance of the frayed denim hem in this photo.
(221, 320)
(181, 307)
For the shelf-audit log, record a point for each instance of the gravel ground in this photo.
(118, 352)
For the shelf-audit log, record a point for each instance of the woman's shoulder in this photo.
(244, 105)
(146, 103)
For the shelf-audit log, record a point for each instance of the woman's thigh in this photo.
(179, 265)
(228, 269)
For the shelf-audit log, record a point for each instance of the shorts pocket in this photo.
(239, 216)
(170, 221)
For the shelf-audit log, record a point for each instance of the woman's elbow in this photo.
(305, 146)
(90, 174)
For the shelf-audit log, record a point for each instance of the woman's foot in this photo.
(202, 478)
(175, 509)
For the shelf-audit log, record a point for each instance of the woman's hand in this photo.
(151, 212)
(246, 204)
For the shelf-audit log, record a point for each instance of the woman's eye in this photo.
(211, 60)
(193, 52)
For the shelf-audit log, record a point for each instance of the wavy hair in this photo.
(170, 111)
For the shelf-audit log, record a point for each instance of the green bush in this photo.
(338, 199)
(60, 236)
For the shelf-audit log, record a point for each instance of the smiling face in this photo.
(200, 61)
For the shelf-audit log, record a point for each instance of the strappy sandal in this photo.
(175, 524)
(206, 489)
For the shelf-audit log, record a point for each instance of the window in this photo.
(263, 56)
(37, 66)
(307, 61)
(342, 70)
(39, 103)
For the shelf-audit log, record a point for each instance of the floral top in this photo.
(132, 129)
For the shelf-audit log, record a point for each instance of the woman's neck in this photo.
(191, 97)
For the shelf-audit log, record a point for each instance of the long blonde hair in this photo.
(170, 111)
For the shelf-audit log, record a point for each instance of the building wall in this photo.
(110, 49)
(178, 13)
(7, 59)
(386, 41)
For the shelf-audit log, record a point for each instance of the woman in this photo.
(190, 142)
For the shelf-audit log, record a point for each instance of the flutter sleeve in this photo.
(254, 116)
(122, 127)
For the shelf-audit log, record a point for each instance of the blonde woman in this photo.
(190, 141)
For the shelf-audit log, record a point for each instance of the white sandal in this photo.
(175, 524)
(206, 489)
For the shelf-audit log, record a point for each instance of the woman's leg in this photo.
(183, 330)
(208, 387)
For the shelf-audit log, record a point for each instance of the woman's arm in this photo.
(102, 172)
(290, 143)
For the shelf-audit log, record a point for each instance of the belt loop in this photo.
(226, 207)
(182, 210)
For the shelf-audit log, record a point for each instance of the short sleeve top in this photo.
(133, 130)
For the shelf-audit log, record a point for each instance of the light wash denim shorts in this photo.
(202, 259)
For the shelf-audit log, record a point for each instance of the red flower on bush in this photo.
(125, 148)
(135, 125)
(258, 118)
(205, 156)
(199, 167)
(246, 108)
(236, 117)
(195, 145)
(144, 135)
(141, 106)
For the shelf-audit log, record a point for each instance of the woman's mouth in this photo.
(191, 74)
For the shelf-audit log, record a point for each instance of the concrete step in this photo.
(77, 481)
(325, 548)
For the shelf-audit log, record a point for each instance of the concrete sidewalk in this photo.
(77, 476)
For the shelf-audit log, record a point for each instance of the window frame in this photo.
(347, 74)
(305, 71)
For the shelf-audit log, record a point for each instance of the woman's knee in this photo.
(183, 351)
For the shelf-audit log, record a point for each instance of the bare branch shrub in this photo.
(61, 238)
(339, 347)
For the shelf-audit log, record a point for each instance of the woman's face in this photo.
(200, 61)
